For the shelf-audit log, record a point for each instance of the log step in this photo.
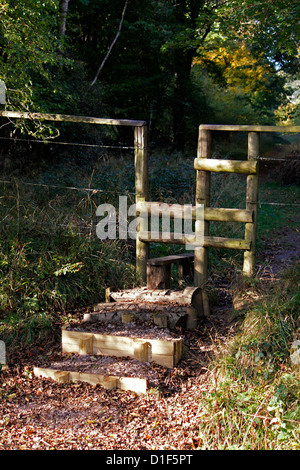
(159, 315)
(163, 307)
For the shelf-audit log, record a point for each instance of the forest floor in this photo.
(41, 414)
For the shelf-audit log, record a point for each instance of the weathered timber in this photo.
(164, 352)
(250, 128)
(228, 215)
(230, 166)
(142, 195)
(203, 183)
(161, 315)
(190, 296)
(158, 277)
(251, 204)
(71, 118)
(165, 260)
(159, 270)
(189, 212)
(135, 384)
(179, 239)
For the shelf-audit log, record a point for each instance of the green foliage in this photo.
(148, 73)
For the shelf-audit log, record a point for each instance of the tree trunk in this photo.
(183, 64)
(64, 5)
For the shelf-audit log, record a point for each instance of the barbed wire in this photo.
(77, 144)
(56, 186)
(96, 190)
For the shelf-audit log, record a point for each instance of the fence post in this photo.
(249, 265)
(141, 195)
(202, 197)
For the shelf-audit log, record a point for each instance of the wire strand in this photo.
(94, 190)
(68, 143)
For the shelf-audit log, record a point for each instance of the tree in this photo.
(30, 55)
(243, 77)
(193, 22)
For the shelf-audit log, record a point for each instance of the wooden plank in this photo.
(228, 215)
(109, 382)
(164, 260)
(71, 118)
(250, 128)
(121, 346)
(76, 341)
(57, 375)
(132, 384)
(167, 237)
(189, 212)
(231, 243)
(248, 167)
(110, 345)
(179, 239)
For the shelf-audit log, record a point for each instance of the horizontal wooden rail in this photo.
(70, 118)
(228, 215)
(248, 167)
(246, 128)
(207, 241)
(171, 259)
(189, 212)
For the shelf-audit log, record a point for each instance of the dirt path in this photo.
(41, 414)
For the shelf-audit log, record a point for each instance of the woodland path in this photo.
(41, 414)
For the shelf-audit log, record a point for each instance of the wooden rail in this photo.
(251, 128)
(189, 212)
(229, 166)
(71, 118)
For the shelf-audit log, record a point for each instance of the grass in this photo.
(252, 400)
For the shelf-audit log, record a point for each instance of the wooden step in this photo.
(162, 307)
(135, 384)
(165, 352)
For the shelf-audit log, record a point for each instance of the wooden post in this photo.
(251, 204)
(141, 195)
(202, 197)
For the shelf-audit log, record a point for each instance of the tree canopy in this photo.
(161, 61)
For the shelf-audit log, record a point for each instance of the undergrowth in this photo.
(252, 399)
